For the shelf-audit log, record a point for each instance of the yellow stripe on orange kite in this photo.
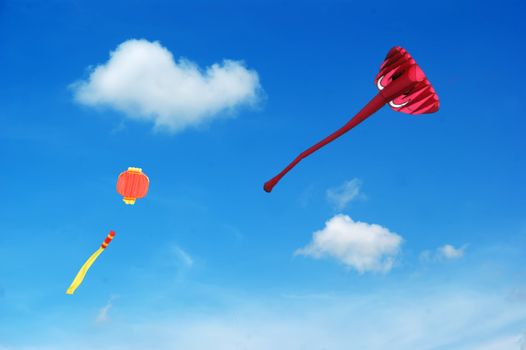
(84, 269)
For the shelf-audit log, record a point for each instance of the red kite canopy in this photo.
(419, 97)
(401, 83)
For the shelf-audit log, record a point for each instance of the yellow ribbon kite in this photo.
(82, 272)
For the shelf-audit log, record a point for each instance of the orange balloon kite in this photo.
(132, 184)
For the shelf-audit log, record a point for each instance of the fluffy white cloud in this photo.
(359, 245)
(142, 80)
(341, 196)
(445, 252)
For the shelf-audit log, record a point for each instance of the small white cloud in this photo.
(142, 80)
(102, 315)
(445, 252)
(449, 252)
(358, 245)
(183, 257)
(342, 195)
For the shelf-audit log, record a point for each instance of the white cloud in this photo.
(508, 342)
(182, 256)
(445, 252)
(359, 245)
(449, 252)
(341, 196)
(437, 317)
(142, 80)
(102, 315)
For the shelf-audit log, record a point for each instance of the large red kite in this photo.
(401, 84)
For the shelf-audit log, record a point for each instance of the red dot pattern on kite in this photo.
(132, 184)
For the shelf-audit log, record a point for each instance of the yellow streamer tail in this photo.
(82, 272)
(84, 269)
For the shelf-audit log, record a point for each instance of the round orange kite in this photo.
(132, 184)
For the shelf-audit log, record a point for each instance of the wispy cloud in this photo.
(507, 342)
(445, 252)
(234, 231)
(358, 245)
(173, 262)
(440, 317)
(342, 195)
(142, 80)
(103, 314)
(182, 256)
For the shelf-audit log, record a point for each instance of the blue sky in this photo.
(208, 260)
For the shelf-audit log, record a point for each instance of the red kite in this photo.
(401, 84)
(132, 184)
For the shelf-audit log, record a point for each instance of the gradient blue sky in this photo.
(206, 260)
